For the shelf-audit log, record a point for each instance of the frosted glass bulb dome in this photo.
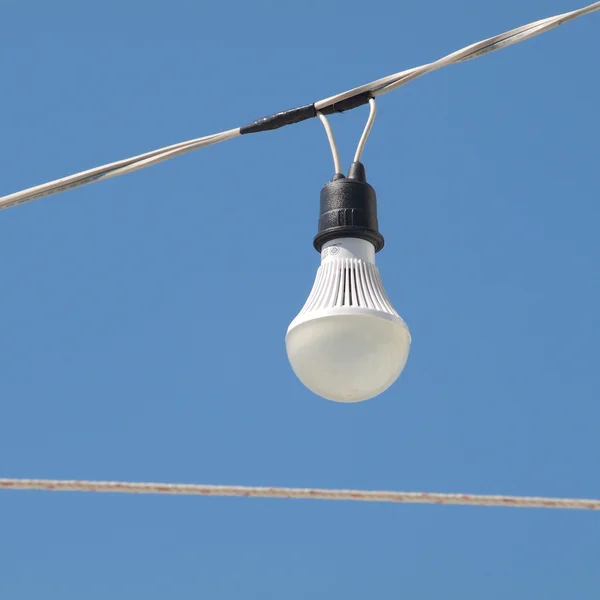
(348, 344)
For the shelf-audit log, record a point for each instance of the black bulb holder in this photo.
(349, 209)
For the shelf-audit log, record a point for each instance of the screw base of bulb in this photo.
(354, 248)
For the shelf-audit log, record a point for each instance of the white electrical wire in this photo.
(519, 34)
(367, 131)
(376, 88)
(120, 167)
(337, 164)
(182, 489)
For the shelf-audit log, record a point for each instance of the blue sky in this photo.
(143, 318)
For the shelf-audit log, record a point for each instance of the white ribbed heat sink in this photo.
(348, 282)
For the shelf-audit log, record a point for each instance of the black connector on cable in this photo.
(302, 113)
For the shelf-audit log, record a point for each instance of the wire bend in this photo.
(367, 130)
(337, 164)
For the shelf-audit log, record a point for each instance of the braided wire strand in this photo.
(182, 489)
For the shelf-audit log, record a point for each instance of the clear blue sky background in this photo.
(142, 319)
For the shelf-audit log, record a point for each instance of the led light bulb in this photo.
(348, 344)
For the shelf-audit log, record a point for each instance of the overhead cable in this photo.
(344, 101)
(185, 489)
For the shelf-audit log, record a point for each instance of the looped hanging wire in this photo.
(367, 131)
(337, 165)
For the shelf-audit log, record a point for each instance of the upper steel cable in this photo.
(339, 103)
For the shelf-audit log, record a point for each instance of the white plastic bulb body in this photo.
(348, 344)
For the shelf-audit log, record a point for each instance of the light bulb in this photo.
(348, 344)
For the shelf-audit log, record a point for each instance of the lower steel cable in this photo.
(183, 489)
